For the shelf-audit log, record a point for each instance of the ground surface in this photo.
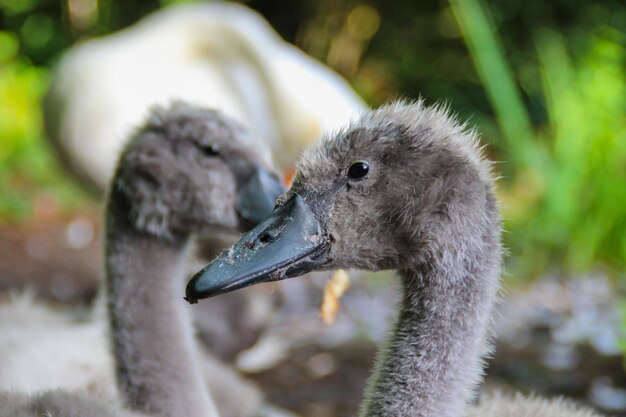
(555, 337)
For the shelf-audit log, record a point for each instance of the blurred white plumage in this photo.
(221, 55)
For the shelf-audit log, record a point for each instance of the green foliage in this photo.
(17, 6)
(28, 172)
(584, 207)
(479, 33)
(565, 200)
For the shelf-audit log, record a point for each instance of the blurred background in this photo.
(543, 82)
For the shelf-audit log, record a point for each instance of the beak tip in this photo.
(190, 300)
(190, 294)
(193, 292)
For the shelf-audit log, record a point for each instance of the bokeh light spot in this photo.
(363, 22)
(17, 6)
(9, 45)
(37, 30)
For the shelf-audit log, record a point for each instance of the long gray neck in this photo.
(157, 370)
(432, 362)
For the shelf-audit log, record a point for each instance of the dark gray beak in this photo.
(289, 243)
(256, 198)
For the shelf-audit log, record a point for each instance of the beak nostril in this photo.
(267, 237)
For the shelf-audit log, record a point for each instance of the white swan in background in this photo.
(187, 170)
(220, 55)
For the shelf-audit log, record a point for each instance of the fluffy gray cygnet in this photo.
(186, 170)
(405, 187)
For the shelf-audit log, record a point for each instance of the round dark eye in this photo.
(210, 150)
(358, 170)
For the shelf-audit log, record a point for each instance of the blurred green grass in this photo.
(565, 198)
(29, 175)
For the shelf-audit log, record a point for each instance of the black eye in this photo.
(358, 170)
(209, 150)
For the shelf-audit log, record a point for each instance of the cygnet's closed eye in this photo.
(358, 170)
(208, 149)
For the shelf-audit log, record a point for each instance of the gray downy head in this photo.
(388, 192)
(189, 169)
